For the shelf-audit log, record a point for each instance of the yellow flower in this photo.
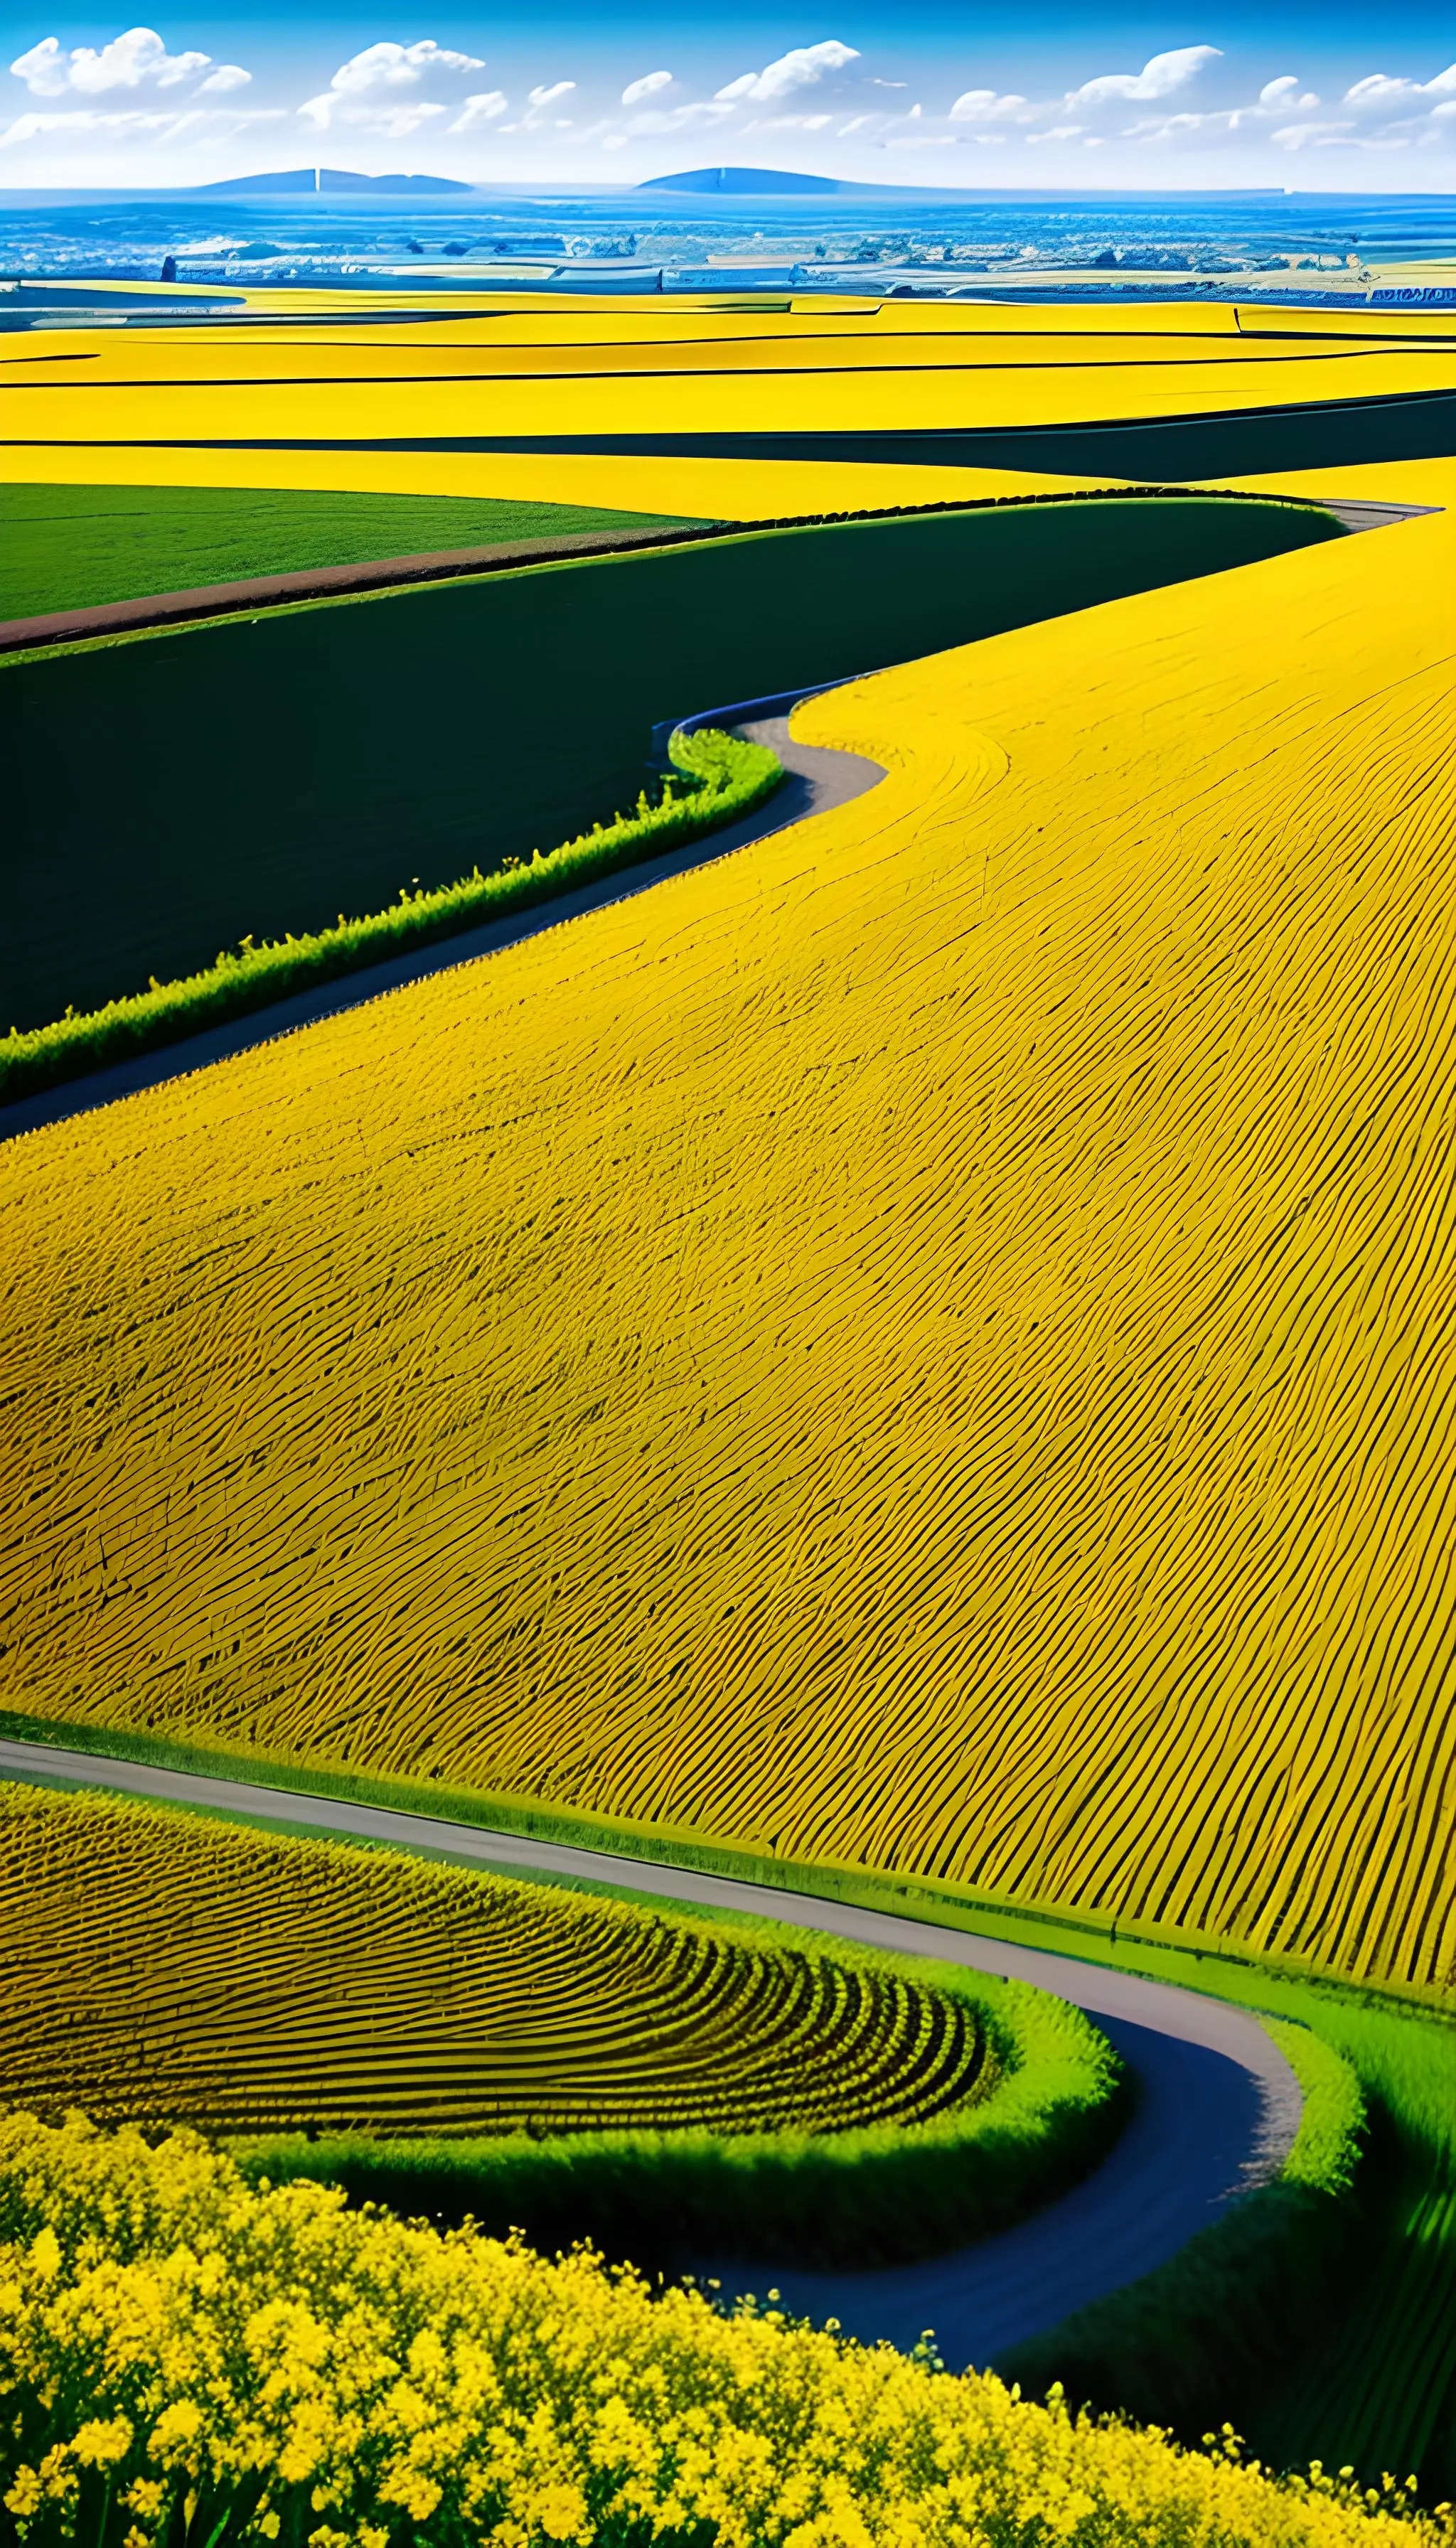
(25, 2494)
(101, 2444)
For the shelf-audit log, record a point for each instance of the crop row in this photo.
(165, 1969)
(923, 1345)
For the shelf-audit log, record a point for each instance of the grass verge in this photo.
(878, 2196)
(720, 779)
(1361, 2364)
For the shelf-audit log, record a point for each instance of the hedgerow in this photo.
(718, 779)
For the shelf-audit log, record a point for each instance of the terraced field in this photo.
(160, 1969)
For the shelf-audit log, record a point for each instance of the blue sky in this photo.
(1036, 95)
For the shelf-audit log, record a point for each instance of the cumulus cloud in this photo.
(126, 62)
(984, 106)
(398, 66)
(226, 76)
(800, 69)
(1378, 112)
(364, 91)
(1159, 77)
(636, 90)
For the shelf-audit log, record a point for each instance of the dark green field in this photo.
(62, 547)
(168, 793)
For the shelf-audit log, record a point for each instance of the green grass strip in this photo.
(719, 778)
(881, 2194)
(1316, 2311)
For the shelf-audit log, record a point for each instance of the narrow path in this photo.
(817, 778)
(1218, 2111)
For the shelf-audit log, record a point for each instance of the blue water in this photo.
(1145, 242)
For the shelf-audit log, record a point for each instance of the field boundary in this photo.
(726, 776)
(1218, 2103)
(47, 630)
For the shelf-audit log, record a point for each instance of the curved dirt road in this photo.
(1218, 2111)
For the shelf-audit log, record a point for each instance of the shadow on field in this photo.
(171, 792)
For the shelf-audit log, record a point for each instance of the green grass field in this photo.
(65, 547)
(260, 775)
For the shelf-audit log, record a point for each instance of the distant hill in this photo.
(331, 181)
(746, 181)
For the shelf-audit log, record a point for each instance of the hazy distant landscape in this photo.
(1125, 247)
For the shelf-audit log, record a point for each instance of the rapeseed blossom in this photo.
(187, 2358)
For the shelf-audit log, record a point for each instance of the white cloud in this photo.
(398, 66)
(537, 102)
(136, 124)
(636, 90)
(1399, 95)
(126, 62)
(364, 91)
(226, 76)
(1279, 92)
(984, 106)
(484, 108)
(800, 69)
(1057, 132)
(1158, 77)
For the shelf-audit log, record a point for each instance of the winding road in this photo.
(1217, 2114)
(816, 779)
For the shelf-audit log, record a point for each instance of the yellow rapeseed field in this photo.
(921, 1342)
(199, 405)
(160, 1969)
(621, 370)
(268, 2365)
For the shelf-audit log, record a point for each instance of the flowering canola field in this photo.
(613, 394)
(603, 371)
(164, 1971)
(921, 1343)
(268, 2365)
